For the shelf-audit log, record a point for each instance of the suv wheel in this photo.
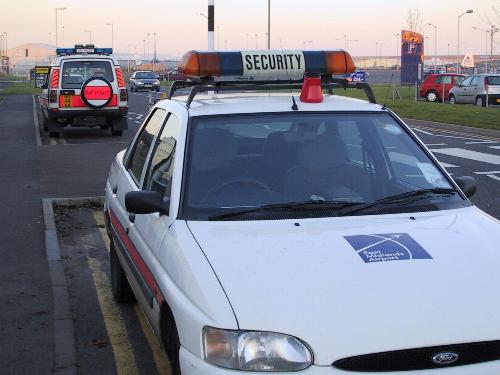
(480, 102)
(452, 99)
(54, 134)
(431, 96)
(120, 287)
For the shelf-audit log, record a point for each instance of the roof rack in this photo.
(202, 85)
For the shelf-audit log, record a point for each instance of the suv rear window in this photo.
(75, 73)
(493, 81)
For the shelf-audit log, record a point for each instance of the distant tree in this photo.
(413, 19)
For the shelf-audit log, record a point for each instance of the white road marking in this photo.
(489, 172)
(495, 147)
(480, 142)
(468, 154)
(446, 165)
(422, 131)
(493, 177)
(139, 117)
(436, 144)
(137, 122)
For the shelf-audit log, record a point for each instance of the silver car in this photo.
(477, 89)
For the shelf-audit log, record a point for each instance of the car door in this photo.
(462, 91)
(128, 176)
(473, 90)
(147, 231)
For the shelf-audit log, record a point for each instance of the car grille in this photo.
(421, 358)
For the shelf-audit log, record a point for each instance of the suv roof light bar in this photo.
(81, 49)
(328, 83)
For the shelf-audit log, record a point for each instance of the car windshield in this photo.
(493, 80)
(75, 73)
(250, 161)
(145, 75)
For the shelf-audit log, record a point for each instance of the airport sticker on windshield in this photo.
(387, 247)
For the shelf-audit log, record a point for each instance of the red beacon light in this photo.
(312, 92)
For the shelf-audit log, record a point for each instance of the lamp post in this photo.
(256, 41)
(376, 53)
(268, 24)
(435, 43)
(396, 36)
(56, 10)
(380, 46)
(458, 37)
(112, 33)
(154, 51)
(486, 33)
(1, 47)
(147, 56)
(144, 46)
(90, 35)
(62, 35)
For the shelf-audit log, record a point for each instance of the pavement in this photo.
(76, 165)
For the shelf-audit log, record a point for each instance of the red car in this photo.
(432, 87)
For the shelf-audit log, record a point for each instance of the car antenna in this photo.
(294, 103)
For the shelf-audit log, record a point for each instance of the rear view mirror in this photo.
(467, 184)
(145, 202)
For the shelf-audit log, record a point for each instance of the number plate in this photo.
(66, 101)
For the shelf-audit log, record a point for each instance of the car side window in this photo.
(457, 79)
(143, 143)
(466, 82)
(161, 166)
(445, 80)
(438, 79)
(475, 81)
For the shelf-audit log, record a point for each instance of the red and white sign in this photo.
(97, 92)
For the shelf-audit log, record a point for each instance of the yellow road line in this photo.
(115, 326)
(161, 359)
(99, 219)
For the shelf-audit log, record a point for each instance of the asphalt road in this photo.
(76, 165)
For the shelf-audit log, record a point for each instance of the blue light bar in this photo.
(83, 50)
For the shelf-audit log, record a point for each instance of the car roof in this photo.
(232, 103)
(59, 60)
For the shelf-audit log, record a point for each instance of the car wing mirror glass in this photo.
(467, 184)
(146, 202)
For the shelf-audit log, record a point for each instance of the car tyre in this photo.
(54, 134)
(120, 287)
(431, 96)
(480, 102)
(170, 339)
(452, 99)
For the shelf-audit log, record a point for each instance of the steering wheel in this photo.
(237, 181)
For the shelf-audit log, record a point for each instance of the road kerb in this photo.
(65, 359)
(37, 124)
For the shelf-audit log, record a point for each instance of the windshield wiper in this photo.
(402, 199)
(292, 206)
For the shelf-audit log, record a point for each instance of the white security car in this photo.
(261, 233)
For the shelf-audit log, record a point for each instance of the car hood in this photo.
(146, 80)
(307, 279)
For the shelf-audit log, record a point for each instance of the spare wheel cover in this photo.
(97, 92)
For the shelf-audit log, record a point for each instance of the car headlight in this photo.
(140, 83)
(255, 351)
(156, 82)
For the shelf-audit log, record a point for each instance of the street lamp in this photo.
(90, 35)
(112, 33)
(256, 41)
(62, 35)
(144, 46)
(154, 51)
(435, 43)
(396, 35)
(268, 24)
(57, 9)
(148, 47)
(458, 37)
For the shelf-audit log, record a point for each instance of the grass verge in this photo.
(19, 88)
(469, 115)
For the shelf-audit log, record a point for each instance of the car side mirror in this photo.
(467, 184)
(146, 202)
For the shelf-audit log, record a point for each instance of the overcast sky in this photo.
(318, 23)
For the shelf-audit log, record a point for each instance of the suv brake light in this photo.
(54, 79)
(119, 77)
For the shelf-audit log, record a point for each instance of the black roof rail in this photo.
(204, 85)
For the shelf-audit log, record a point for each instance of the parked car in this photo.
(477, 89)
(144, 80)
(434, 84)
